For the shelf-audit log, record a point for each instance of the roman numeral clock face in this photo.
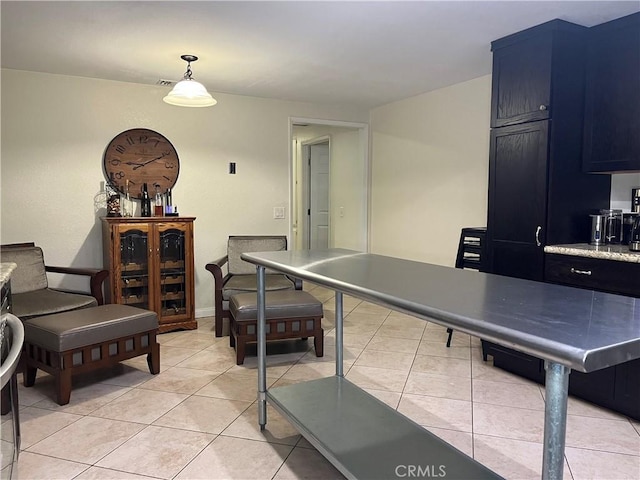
(141, 156)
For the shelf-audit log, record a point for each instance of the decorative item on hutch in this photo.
(113, 199)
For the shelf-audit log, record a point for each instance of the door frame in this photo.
(363, 134)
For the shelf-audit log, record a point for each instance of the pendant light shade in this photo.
(187, 92)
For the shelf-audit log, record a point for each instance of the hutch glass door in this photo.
(173, 278)
(133, 281)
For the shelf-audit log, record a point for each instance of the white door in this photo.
(318, 212)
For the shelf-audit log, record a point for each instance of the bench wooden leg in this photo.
(29, 376)
(318, 343)
(153, 359)
(240, 350)
(63, 386)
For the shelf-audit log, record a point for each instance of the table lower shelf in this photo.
(366, 439)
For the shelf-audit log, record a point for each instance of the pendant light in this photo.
(187, 92)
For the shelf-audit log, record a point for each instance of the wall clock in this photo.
(141, 156)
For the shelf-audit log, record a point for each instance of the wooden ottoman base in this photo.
(86, 358)
(285, 320)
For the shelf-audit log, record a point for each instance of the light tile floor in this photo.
(197, 419)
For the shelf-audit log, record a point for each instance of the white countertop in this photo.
(6, 269)
(620, 253)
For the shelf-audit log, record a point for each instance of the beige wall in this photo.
(55, 129)
(621, 186)
(348, 191)
(430, 157)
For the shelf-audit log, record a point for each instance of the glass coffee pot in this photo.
(612, 225)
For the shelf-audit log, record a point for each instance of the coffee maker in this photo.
(634, 239)
(612, 225)
(635, 200)
(627, 225)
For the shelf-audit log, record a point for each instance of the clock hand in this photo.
(137, 165)
(149, 161)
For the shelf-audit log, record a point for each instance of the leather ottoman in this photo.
(87, 339)
(288, 314)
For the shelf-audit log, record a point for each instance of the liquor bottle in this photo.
(145, 205)
(168, 204)
(127, 204)
(157, 211)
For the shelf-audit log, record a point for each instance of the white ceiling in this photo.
(360, 53)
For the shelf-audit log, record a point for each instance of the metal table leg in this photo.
(262, 349)
(339, 338)
(15, 413)
(555, 420)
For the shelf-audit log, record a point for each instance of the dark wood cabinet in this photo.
(538, 193)
(594, 273)
(150, 262)
(626, 393)
(612, 99)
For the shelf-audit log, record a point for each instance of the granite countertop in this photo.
(6, 269)
(620, 253)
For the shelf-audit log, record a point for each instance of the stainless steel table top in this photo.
(581, 329)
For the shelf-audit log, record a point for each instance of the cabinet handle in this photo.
(542, 108)
(580, 272)
(538, 236)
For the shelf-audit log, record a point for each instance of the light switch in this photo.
(278, 212)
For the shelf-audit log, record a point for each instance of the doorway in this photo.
(316, 155)
(329, 205)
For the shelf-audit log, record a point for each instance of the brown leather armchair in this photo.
(240, 276)
(30, 292)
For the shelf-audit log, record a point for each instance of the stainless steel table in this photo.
(568, 327)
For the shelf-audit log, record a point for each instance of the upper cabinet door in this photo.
(612, 99)
(521, 88)
(537, 74)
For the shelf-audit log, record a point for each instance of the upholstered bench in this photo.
(84, 340)
(288, 313)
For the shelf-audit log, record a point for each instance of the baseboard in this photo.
(205, 312)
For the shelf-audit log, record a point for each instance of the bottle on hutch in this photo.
(145, 205)
(169, 208)
(125, 201)
(158, 211)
